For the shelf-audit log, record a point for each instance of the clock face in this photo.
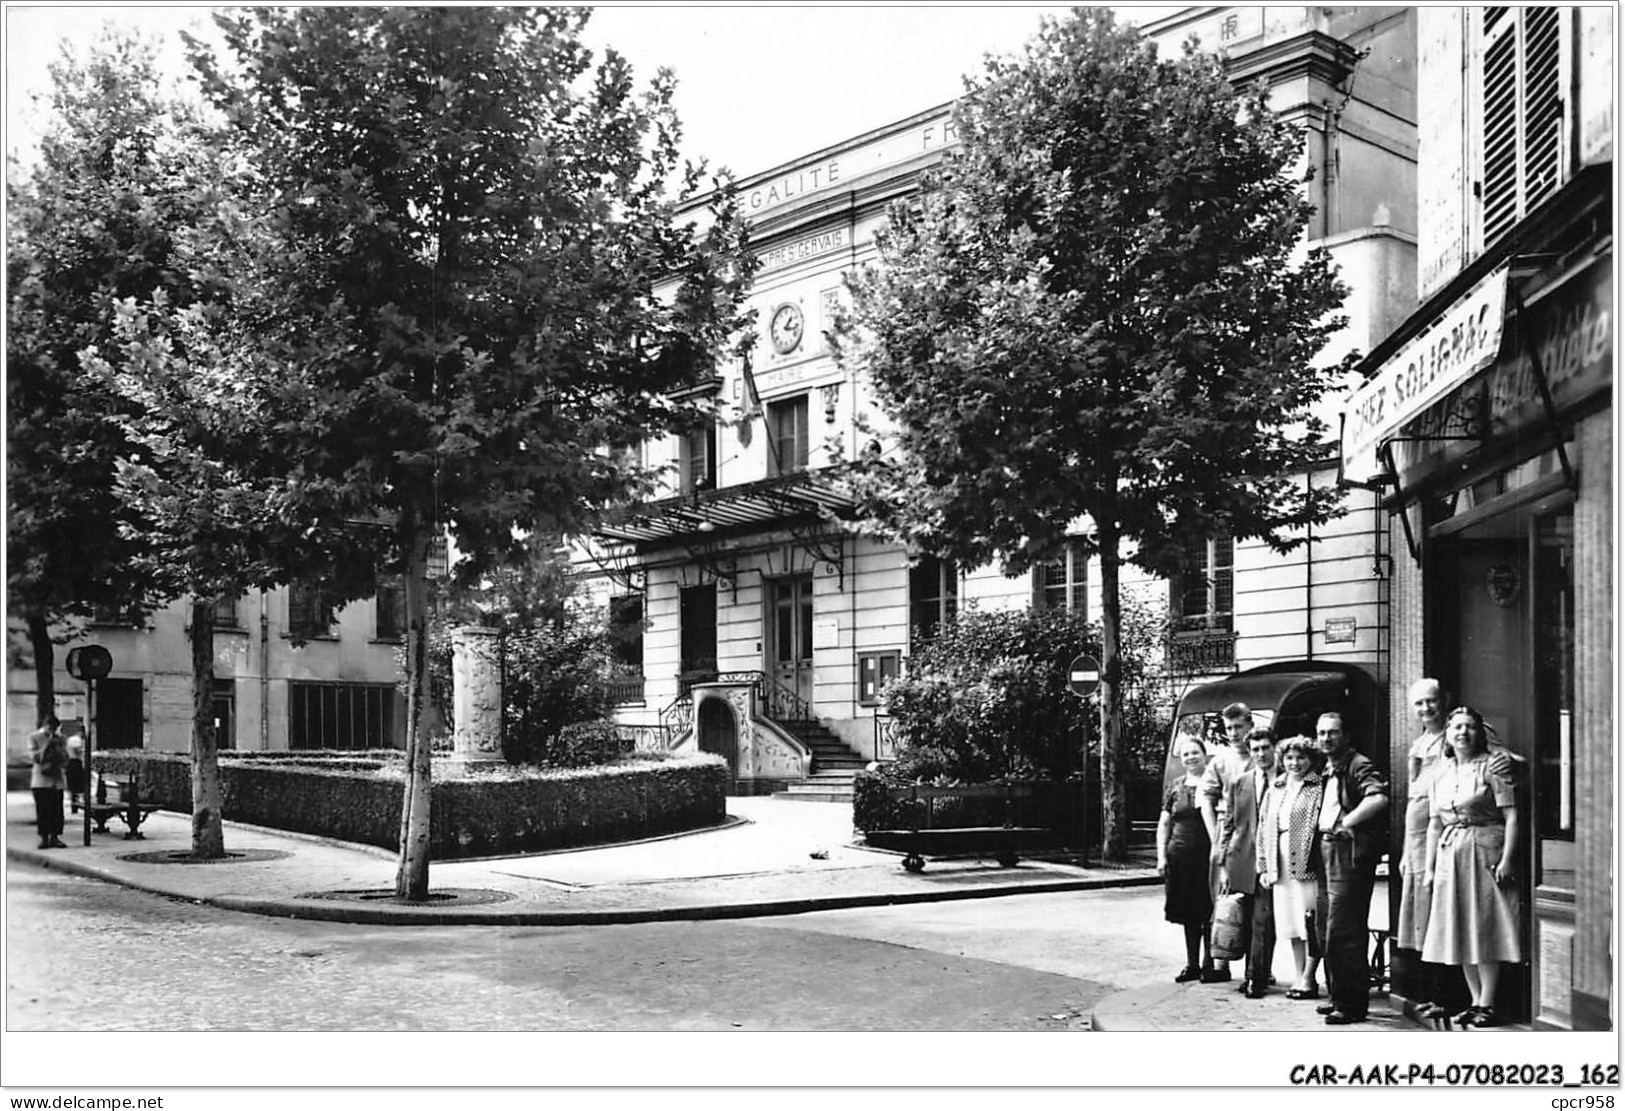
(785, 328)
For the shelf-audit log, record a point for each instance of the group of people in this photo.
(56, 768)
(1295, 831)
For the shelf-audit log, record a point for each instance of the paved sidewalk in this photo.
(761, 862)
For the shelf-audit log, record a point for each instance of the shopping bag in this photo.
(1229, 929)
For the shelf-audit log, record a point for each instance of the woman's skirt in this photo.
(1187, 898)
(1294, 900)
(1414, 902)
(1472, 919)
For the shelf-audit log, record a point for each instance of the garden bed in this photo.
(473, 811)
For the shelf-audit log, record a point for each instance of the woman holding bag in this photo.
(1286, 838)
(1182, 860)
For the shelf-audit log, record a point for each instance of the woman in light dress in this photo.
(1474, 914)
(1286, 837)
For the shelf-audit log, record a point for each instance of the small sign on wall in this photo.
(826, 633)
(1340, 630)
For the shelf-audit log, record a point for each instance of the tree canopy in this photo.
(1099, 306)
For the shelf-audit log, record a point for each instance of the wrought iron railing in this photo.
(676, 718)
(1202, 653)
(627, 689)
(645, 738)
(774, 700)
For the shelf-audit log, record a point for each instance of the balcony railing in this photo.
(1202, 653)
(627, 690)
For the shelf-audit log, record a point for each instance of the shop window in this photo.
(1555, 800)
(933, 596)
(310, 611)
(787, 432)
(698, 459)
(1060, 582)
(1523, 113)
(1202, 594)
(346, 716)
(875, 670)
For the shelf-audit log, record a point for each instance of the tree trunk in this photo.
(39, 639)
(1113, 796)
(412, 875)
(208, 835)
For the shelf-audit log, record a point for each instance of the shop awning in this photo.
(767, 503)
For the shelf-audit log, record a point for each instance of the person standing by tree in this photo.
(1099, 306)
(1353, 829)
(47, 778)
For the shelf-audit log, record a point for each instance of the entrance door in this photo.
(790, 638)
(119, 713)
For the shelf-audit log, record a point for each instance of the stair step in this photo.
(802, 793)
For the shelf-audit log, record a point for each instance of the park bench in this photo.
(1005, 843)
(129, 809)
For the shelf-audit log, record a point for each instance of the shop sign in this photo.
(1572, 334)
(1459, 344)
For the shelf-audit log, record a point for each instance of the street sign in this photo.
(1083, 675)
(90, 662)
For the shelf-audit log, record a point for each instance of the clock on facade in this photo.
(784, 329)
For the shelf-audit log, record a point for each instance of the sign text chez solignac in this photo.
(1462, 342)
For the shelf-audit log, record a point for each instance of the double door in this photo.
(790, 635)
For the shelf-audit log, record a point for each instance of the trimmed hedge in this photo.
(1055, 805)
(508, 811)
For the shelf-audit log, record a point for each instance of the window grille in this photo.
(341, 715)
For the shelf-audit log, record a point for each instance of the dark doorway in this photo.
(698, 618)
(719, 734)
(790, 635)
(224, 711)
(120, 716)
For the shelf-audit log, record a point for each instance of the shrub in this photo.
(554, 678)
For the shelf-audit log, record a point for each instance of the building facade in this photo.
(752, 595)
(1486, 423)
(290, 671)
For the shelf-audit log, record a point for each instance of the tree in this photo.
(91, 220)
(467, 223)
(1099, 306)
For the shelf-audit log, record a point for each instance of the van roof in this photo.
(1261, 689)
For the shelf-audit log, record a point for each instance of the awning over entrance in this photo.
(806, 495)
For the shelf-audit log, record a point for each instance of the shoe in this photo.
(1343, 1018)
(1216, 976)
(1187, 974)
(1430, 1011)
(58, 843)
(1325, 1008)
(44, 842)
(1483, 1016)
(1255, 991)
(1303, 993)
(1464, 1018)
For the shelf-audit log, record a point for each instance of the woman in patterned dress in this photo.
(1182, 860)
(1286, 836)
(1474, 915)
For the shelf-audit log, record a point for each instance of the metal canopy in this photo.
(754, 505)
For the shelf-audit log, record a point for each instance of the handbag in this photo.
(1229, 941)
(1313, 938)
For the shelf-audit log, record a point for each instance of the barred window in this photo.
(341, 715)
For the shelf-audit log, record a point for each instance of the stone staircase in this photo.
(833, 766)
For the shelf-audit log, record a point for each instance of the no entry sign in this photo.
(1083, 675)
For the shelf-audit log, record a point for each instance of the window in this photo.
(626, 630)
(225, 614)
(1060, 582)
(698, 459)
(933, 596)
(1523, 113)
(697, 612)
(310, 611)
(389, 609)
(224, 710)
(121, 713)
(1203, 593)
(341, 715)
(875, 670)
(787, 431)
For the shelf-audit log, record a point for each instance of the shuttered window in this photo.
(698, 462)
(1523, 114)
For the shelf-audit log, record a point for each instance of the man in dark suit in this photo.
(1353, 833)
(1244, 801)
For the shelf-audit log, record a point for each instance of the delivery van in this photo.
(1288, 697)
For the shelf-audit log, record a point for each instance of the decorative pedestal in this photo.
(476, 694)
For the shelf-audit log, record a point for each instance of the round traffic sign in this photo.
(1083, 675)
(90, 662)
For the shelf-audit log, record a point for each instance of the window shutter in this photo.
(1523, 113)
(1500, 181)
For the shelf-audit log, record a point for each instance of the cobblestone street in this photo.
(1018, 964)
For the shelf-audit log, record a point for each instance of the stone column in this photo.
(476, 694)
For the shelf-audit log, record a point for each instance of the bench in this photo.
(1005, 843)
(129, 809)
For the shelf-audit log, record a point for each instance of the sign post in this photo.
(1082, 679)
(90, 663)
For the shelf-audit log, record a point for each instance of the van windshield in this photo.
(1210, 727)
